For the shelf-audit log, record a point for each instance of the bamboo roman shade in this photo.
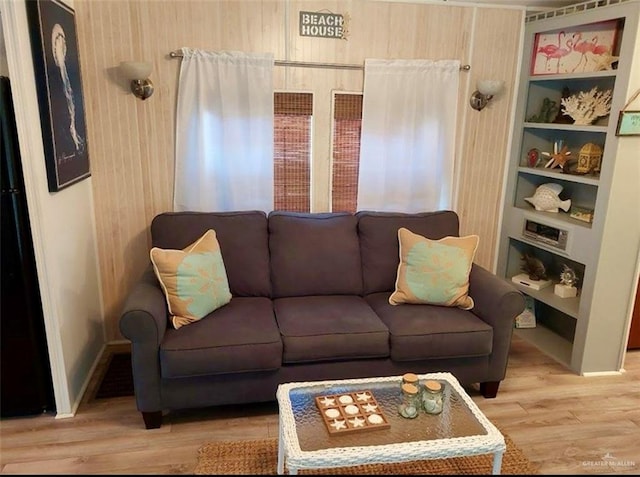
(347, 125)
(292, 151)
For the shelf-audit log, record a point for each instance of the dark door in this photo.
(25, 372)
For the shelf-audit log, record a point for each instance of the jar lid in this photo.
(410, 378)
(409, 388)
(434, 386)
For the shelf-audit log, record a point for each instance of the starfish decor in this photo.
(605, 62)
(559, 157)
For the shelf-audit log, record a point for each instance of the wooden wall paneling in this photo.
(127, 195)
(132, 142)
(129, 190)
(376, 30)
(111, 124)
(158, 115)
(495, 54)
(443, 33)
(99, 43)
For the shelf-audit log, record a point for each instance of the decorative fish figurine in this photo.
(547, 198)
(533, 267)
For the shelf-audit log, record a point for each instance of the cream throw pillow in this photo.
(434, 271)
(194, 280)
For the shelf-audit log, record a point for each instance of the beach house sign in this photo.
(323, 25)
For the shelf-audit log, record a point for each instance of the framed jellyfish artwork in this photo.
(54, 44)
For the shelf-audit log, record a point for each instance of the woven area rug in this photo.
(260, 457)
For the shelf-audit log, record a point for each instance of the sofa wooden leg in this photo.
(152, 420)
(489, 389)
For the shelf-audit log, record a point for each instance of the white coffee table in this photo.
(460, 430)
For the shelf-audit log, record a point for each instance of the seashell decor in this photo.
(585, 107)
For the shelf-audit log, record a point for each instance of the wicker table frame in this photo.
(290, 453)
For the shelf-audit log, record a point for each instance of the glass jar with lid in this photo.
(411, 378)
(409, 406)
(432, 399)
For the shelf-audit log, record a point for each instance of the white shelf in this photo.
(585, 333)
(568, 306)
(548, 342)
(559, 218)
(540, 171)
(573, 76)
(566, 127)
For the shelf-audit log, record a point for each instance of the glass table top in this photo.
(456, 419)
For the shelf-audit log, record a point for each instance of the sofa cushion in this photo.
(378, 234)
(243, 239)
(434, 272)
(322, 328)
(429, 331)
(314, 254)
(240, 337)
(194, 280)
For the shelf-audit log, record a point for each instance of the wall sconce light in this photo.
(486, 89)
(138, 73)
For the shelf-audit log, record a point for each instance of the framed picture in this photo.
(579, 49)
(628, 123)
(58, 82)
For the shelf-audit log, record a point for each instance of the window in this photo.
(347, 125)
(293, 113)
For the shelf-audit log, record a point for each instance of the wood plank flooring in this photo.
(567, 424)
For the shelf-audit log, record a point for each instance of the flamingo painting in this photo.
(582, 49)
(551, 51)
(589, 50)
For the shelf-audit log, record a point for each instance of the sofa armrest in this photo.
(144, 315)
(144, 322)
(497, 303)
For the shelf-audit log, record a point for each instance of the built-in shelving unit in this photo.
(586, 333)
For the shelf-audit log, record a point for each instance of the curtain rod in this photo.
(302, 64)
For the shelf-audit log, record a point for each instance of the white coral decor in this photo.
(586, 107)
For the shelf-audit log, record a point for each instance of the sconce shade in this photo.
(490, 87)
(135, 70)
(138, 73)
(486, 89)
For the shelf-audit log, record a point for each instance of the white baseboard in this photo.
(603, 373)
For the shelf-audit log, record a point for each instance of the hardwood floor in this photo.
(565, 423)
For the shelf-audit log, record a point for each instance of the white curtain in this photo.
(224, 132)
(408, 135)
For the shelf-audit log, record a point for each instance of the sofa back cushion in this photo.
(314, 254)
(378, 234)
(243, 239)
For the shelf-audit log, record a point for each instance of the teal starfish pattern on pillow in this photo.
(434, 272)
(194, 280)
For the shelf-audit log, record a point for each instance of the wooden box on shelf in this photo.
(524, 280)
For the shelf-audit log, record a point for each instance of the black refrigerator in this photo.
(25, 386)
